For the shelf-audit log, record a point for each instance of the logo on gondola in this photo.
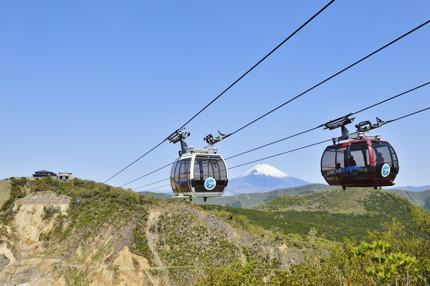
(385, 170)
(210, 184)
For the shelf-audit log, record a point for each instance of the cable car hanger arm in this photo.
(364, 126)
(280, 106)
(259, 62)
(310, 145)
(324, 141)
(330, 123)
(326, 125)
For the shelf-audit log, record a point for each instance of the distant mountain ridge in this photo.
(412, 188)
(252, 200)
(262, 178)
(420, 199)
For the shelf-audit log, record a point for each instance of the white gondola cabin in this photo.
(198, 172)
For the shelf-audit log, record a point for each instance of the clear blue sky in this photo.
(87, 86)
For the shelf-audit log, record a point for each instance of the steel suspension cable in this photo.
(321, 125)
(153, 183)
(135, 161)
(324, 141)
(391, 98)
(156, 188)
(407, 115)
(229, 86)
(308, 145)
(259, 62)
(329, 78)
(290, 136)
(282, 153)
(147, 174)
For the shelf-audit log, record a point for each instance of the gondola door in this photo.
(386, 164)
(356, 164)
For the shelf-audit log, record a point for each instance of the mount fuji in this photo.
(262, 178)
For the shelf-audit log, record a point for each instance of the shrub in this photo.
(236, 274)
(49, 212)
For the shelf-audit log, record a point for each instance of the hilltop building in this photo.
(65, 176)
(44, 173)
(62, 176)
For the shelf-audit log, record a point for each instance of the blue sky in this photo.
(87, 86)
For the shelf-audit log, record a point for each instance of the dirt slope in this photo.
(118, 238)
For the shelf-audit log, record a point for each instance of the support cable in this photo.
(228, 87)
(294, 135)
(309, 145)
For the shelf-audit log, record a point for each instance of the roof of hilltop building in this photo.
(44, 173)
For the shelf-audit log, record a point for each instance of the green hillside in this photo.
(117, 234)
(334, 214)
(85, 233)
(334, 199)
(363, 205)
(155, 195)
(358, 214)
(4, 191)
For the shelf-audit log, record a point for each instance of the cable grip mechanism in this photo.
(211, 140)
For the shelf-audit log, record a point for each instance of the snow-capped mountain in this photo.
(262, 178)
(265, 170)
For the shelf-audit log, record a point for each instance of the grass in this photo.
(76, 278)
(327, 225)
(17, 191)
(140, 245)
(187, 240)
(350, 201)
(189, 235)
(4, 191)
(49, 212)
(101, 207)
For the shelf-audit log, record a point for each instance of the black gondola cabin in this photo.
(360, 163)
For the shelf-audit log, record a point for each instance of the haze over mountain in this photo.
(262, 178)
(420, 199)
(252, 200)
(412, 188)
